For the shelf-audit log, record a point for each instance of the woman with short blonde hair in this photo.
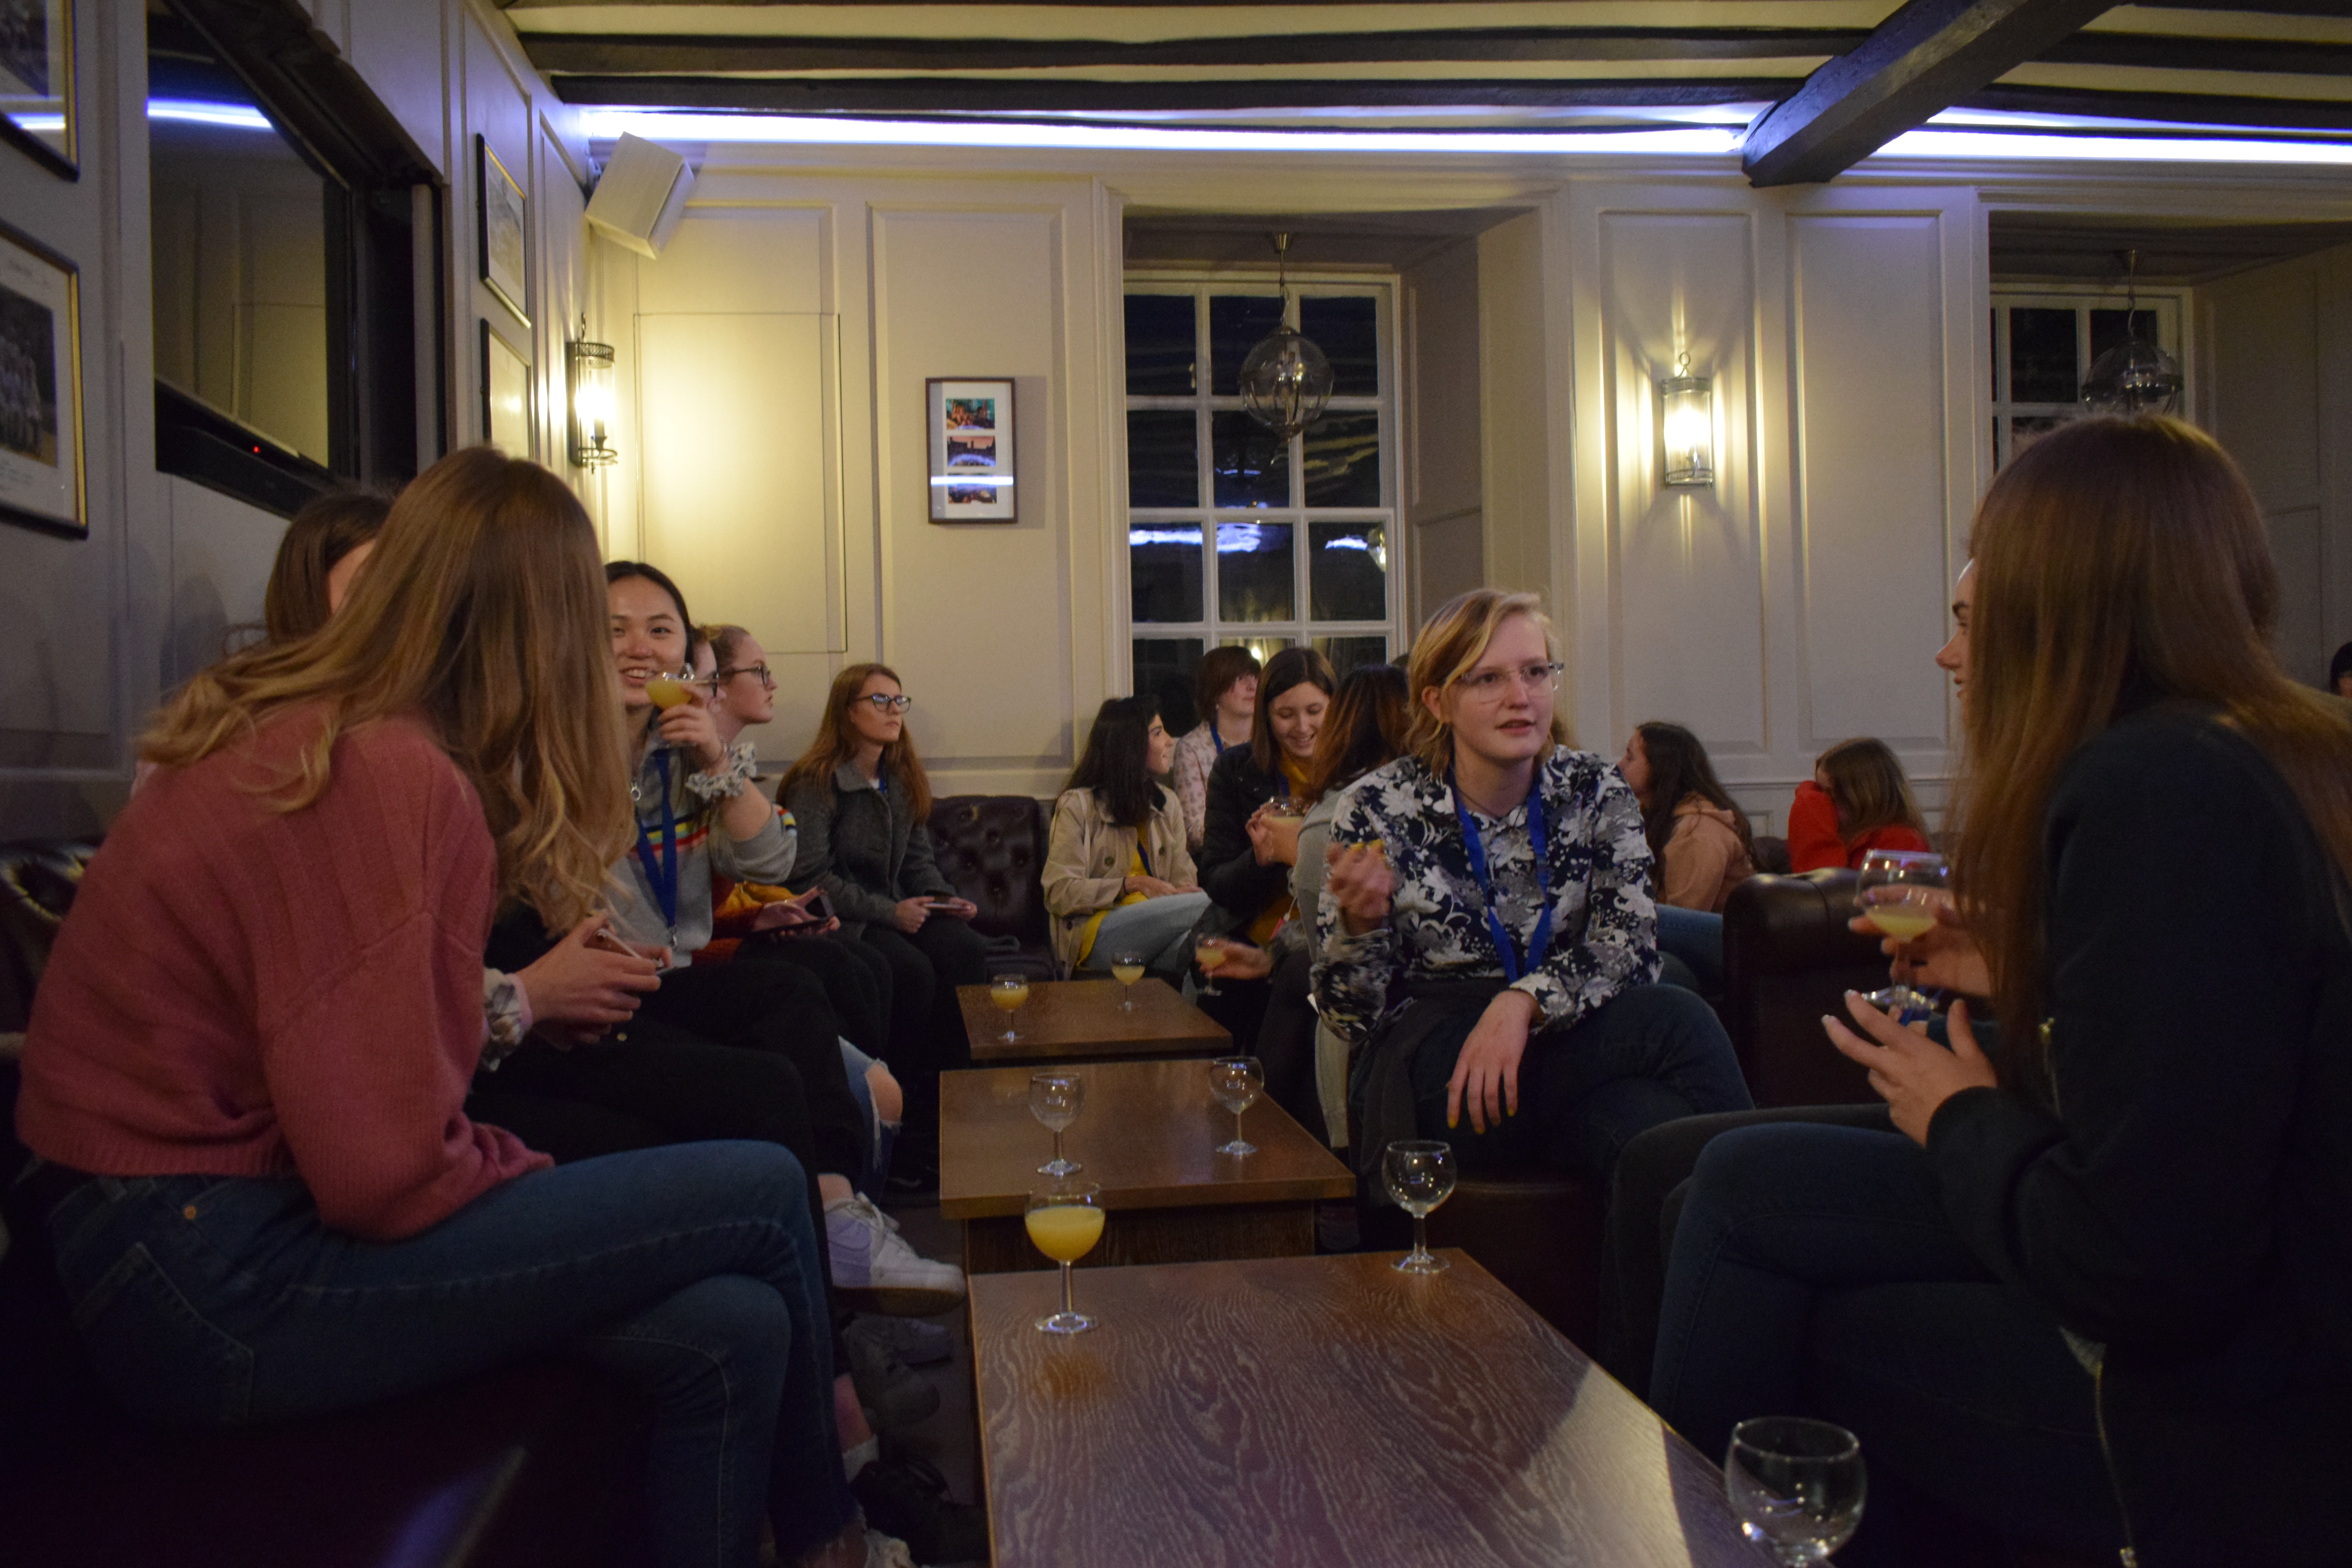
(1488, 936)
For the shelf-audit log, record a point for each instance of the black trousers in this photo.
(1286, 1044)
(926, 1032)
(856, 980)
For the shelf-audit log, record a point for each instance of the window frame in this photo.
(2170, 303)
(1302, 627)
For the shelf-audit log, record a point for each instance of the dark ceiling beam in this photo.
(978, 96)
(596, 54)
(1922, 59)
(2167, 52)
(2170, 108)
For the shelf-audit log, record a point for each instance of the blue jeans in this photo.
(1695, 937)
(1648, 1055)
(689, 1271)
(881, 1137)
(1814, 1273)
(1155, 929)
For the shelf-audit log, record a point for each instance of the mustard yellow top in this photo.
(1094, 924)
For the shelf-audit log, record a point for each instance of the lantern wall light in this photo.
(588, 368)
(1687, 421)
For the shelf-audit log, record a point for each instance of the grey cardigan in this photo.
(863, 847)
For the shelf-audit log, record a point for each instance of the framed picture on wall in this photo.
(506, 254)
(506, 397)
(970, 427)
(37, 82)
(41, 483)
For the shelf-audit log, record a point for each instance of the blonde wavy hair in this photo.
(483, 613)
(1449, 643)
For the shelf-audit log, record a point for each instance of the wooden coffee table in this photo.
(1081, 1021)
(1148, 1136)
(1324, 1412)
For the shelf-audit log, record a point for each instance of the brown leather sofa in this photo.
(1787, 958)
(540, 1464)
(991, 847)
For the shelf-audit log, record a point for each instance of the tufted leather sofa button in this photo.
(991, 848)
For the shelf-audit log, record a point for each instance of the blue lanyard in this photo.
(1141, 853)
(664, 876)
(1216, 739)
(1507, 946)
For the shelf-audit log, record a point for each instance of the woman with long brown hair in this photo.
(246, 1065)
(1858, 800)
(862, 801)
(2101, 1297)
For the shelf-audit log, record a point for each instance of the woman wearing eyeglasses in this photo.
(1487, 931)
(860, 798)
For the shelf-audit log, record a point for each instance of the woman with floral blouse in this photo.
(1489, 935)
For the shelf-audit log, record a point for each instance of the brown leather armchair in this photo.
(991, 847)
(1787, 958)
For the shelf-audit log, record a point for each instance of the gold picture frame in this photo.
(43, 482)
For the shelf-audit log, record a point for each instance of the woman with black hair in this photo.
(1698, 837)
(1117, 876)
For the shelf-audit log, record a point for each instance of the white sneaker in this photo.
(871, 1260)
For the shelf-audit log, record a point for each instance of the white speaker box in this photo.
(642, 195)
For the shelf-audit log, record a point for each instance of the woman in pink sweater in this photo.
(248, 1063)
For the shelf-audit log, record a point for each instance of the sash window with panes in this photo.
(2045, 343)
(1236, 535)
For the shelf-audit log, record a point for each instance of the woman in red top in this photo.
(1856, 801)
(246, 1065)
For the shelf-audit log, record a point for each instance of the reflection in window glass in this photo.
(1348, 570)
(1163, 457)
(1163, 564)
(1164, 668)
(2042, 367)
(1260, 648)
(238, 228)
(1346, 329)
(1236, 323)
(1253, 572)
(1252, 463)
(1343, 464)
(1352, 653)
(1160, 347)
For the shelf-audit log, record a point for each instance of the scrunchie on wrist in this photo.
(730, 778)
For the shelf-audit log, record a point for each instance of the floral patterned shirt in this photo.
(1596, 879)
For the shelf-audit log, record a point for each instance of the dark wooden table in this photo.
(1080, 1021)
(1322, 1412)
(1148, 1135)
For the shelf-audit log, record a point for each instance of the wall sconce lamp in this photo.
(1686, 418)
(589, 371)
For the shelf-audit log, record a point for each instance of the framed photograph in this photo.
(41, 483)
(506, 255)
(37, 82)
(506, 395)
(972, 451)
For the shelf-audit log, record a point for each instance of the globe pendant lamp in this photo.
(2135, 377)
(1285, 380)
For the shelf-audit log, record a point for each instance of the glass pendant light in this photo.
(1285, 380)
(2135, 377)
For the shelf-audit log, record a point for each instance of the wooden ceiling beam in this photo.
(1921, 60)
(965, 95)
(599, 54)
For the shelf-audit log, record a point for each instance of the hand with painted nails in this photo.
(1487, 1074)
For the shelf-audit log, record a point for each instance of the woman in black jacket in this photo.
(2103, 1297)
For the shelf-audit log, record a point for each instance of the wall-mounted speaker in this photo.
(642, 195)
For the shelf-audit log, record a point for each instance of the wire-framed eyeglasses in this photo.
(767, 678)
(1486, 685)
(885, 703)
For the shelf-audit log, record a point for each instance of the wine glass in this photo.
(668, 690)
(1420, 1176)
(1008, 992)
(1899, 891)
(1127, 968)
(1055, 1098)
(1236, 1081)
(1065, 1224)
(1209, 954)
(1796, 1485)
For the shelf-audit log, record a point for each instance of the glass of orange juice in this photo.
(1009, 992)
(1064, 1223)
(667, 691)
(1209, 954)
(1899, 892)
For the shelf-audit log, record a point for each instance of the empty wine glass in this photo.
(1899, 891)
(1008, 993)
(1420, 1176)
(1127, 968)
(1796, 1485)
(1065, 1224)
(1236, 1081)
(1055, 1098)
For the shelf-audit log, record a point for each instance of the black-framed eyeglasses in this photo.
(886, 703)
(767, 678)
